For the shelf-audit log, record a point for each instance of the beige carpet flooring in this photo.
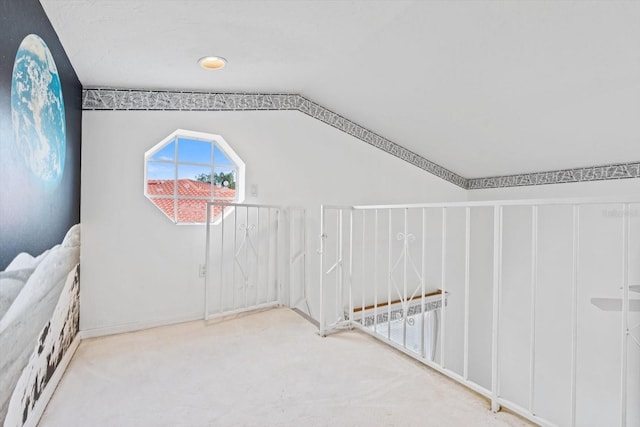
(264, 369)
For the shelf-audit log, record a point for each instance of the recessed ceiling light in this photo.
(212, 62)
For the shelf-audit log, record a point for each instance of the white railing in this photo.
(246, 268)
(297, 249)
(242, 260)
(528, 303)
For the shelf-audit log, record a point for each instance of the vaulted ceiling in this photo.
(482, 88)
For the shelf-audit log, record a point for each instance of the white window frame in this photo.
(199, 136)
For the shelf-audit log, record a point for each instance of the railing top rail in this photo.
(337, 207)
(499, 203)
(243, 205)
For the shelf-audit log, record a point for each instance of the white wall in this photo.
(138, 268)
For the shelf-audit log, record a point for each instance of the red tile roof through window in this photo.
(189, 210)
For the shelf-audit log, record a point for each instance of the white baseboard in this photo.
(137, 326)
(38, 410)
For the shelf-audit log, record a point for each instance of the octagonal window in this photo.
(188, 169)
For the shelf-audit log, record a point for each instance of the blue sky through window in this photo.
(166, 153)
(221, 159)
(189, 151)
(194, 151)
(160, 170)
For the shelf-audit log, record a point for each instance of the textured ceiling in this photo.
(481, 88)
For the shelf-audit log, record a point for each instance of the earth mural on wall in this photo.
(37, 111)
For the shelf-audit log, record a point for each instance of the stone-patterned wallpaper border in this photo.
(138, 99)
(594, 173)
(134, 99)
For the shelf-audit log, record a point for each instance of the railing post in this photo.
(574, 309)
(497, 279)
(534, 285)
(268, 280)
(405, 306)
(467, 253)
(277, 259)
(423, 278)
(247, 277)
(625, 313)
(258, 254)
(235, 246)
(351, 268)
(305, 249)
(206, 261)
(221, 259)
(340, 268)
(389, 278)
(321, 318)
(443, 300)
(364, 268)
(375, 271)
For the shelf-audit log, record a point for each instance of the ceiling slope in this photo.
(482, 88)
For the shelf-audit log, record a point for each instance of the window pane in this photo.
(193, 151)
(194, 180)
(157, 170)
(166, 153)
(190, 210)
(165, 205)
(160, 187)
(224, 180)
(160, 178)
(220, 158)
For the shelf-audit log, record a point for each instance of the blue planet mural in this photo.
(40, 133)
(37, 111)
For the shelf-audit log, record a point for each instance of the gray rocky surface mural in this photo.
(39, 323)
